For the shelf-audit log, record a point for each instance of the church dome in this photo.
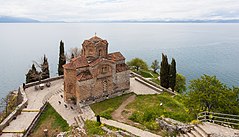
(95, 39)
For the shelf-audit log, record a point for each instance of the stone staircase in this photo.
(50, 94)
(79, 121)
(197, 131)
(80, 126)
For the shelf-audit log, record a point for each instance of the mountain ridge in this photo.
(11, 19)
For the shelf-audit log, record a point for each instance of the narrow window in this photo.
(100, 52)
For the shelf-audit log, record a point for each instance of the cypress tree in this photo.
(62, 59)
(164, 72)
(45, 68)
(172, 74)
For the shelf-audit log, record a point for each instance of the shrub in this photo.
(195, 122)
(149, 115)
(152, 125)
(136, 117)
(93, 128)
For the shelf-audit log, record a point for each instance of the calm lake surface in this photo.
(199, 49)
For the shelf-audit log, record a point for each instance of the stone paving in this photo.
(140, 89)
(211, 128)
(35, 98)
(67, 113)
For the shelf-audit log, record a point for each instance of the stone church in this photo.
(95, 74)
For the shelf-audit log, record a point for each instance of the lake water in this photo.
(198, 48)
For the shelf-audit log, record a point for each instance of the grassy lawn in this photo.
(50, 120)
(146, 108)
(146, 73)
(105, 108)
(155, 80)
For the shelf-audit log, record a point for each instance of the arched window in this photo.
(90, 51)
(100, 52)
(104, 69)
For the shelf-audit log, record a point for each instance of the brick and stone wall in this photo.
(85, 89)
(95, 74)
(123, 80)
(69, 84)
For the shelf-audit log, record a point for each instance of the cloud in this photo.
(82, 10)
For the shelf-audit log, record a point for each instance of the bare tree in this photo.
(74, 52)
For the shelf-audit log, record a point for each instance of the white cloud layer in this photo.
(91, 10)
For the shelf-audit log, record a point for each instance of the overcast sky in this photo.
(91, 10)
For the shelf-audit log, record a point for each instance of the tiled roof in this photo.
(96, 61)
(84, 75)
(77, 62)
(80, 61)
(121, 67)
(93, 63)
(116, 56)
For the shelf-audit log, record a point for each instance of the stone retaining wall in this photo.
(43, 81)
(16, 112)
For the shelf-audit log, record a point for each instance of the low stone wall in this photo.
(16, 112)
(34, 122)
(151, 83)
(174, 126)
(43, 81)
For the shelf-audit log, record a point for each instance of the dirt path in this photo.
(117, 114)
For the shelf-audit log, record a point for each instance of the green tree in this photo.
(209, 94)
(137, 64)
(45, 68)
(230, 103)
(180, 86)
(172, 74)
(32, 75)
(164, 72)
(62, 59)
(155, 66)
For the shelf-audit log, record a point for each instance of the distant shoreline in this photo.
(25, 20)
(122, 22)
